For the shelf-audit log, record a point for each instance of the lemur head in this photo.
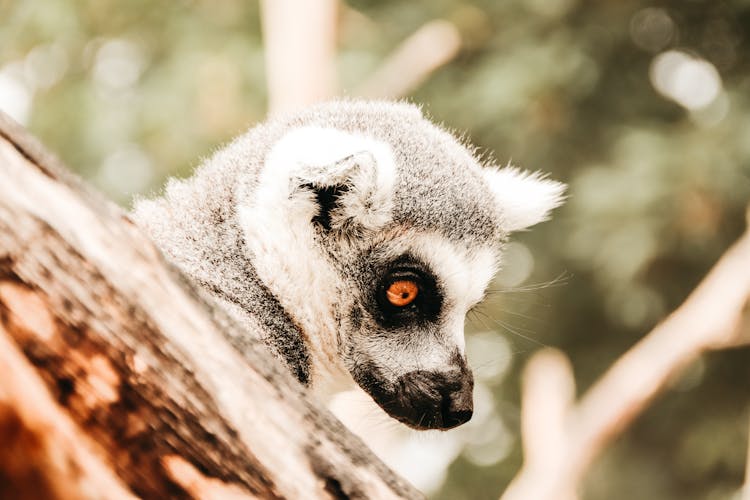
(378, 231)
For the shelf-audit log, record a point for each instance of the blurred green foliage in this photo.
(658, 185)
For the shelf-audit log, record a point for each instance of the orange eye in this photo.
(402, 293)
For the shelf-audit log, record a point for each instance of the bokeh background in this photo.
(643, 107)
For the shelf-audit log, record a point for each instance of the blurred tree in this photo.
(644, 107)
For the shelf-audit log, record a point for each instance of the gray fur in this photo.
(439, 189)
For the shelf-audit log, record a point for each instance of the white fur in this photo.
(523, 198)
(464, 274)
(325, 157)
(280, 236)
(275, 208)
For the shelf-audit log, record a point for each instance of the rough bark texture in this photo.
(116, 379)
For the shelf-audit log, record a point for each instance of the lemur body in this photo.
(354, 237)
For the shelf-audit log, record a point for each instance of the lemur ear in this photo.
(344, 190)
(523, 198)
(335, 179)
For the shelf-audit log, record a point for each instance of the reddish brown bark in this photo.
(123, 381)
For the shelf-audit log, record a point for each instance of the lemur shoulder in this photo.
(354, 236)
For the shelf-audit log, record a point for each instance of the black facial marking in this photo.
(425, 308)
(355, 317)
(422, 399)
(327, 199)
(283, 335)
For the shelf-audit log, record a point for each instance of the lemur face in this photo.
(377, 236)
(403, 335)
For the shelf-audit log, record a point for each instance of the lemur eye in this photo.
(406, 295)
(402, 293)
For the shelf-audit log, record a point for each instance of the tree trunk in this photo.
(116, 379)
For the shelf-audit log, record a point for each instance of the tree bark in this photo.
(117, 380)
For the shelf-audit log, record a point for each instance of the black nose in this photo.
(432, 400)
(458, 403)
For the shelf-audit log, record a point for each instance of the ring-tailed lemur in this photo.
(354, 236)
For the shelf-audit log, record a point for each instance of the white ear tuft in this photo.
(360, 167)
(359, 172)
(523, 198)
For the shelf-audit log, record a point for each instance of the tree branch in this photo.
(141, 390)
(714, 316)
(433, 45)
(300, 39)
(42, 453)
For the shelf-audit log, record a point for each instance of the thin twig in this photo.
(413, 61)
(714, 316)
(548, 392)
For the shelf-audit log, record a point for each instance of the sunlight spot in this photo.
(492, 445)
(517, 265)
(15, 94)
(691, 82)
(635, 306)
(652, 29)
(117, 65)
(126, 171)
(45, 65)
(489, 355)
(713, 114)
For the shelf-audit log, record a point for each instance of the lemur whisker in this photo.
(559, 280)
(333, 237)
(513, 351)
(514, 331)
(519, 314)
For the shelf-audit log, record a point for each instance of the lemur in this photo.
(352, 238)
